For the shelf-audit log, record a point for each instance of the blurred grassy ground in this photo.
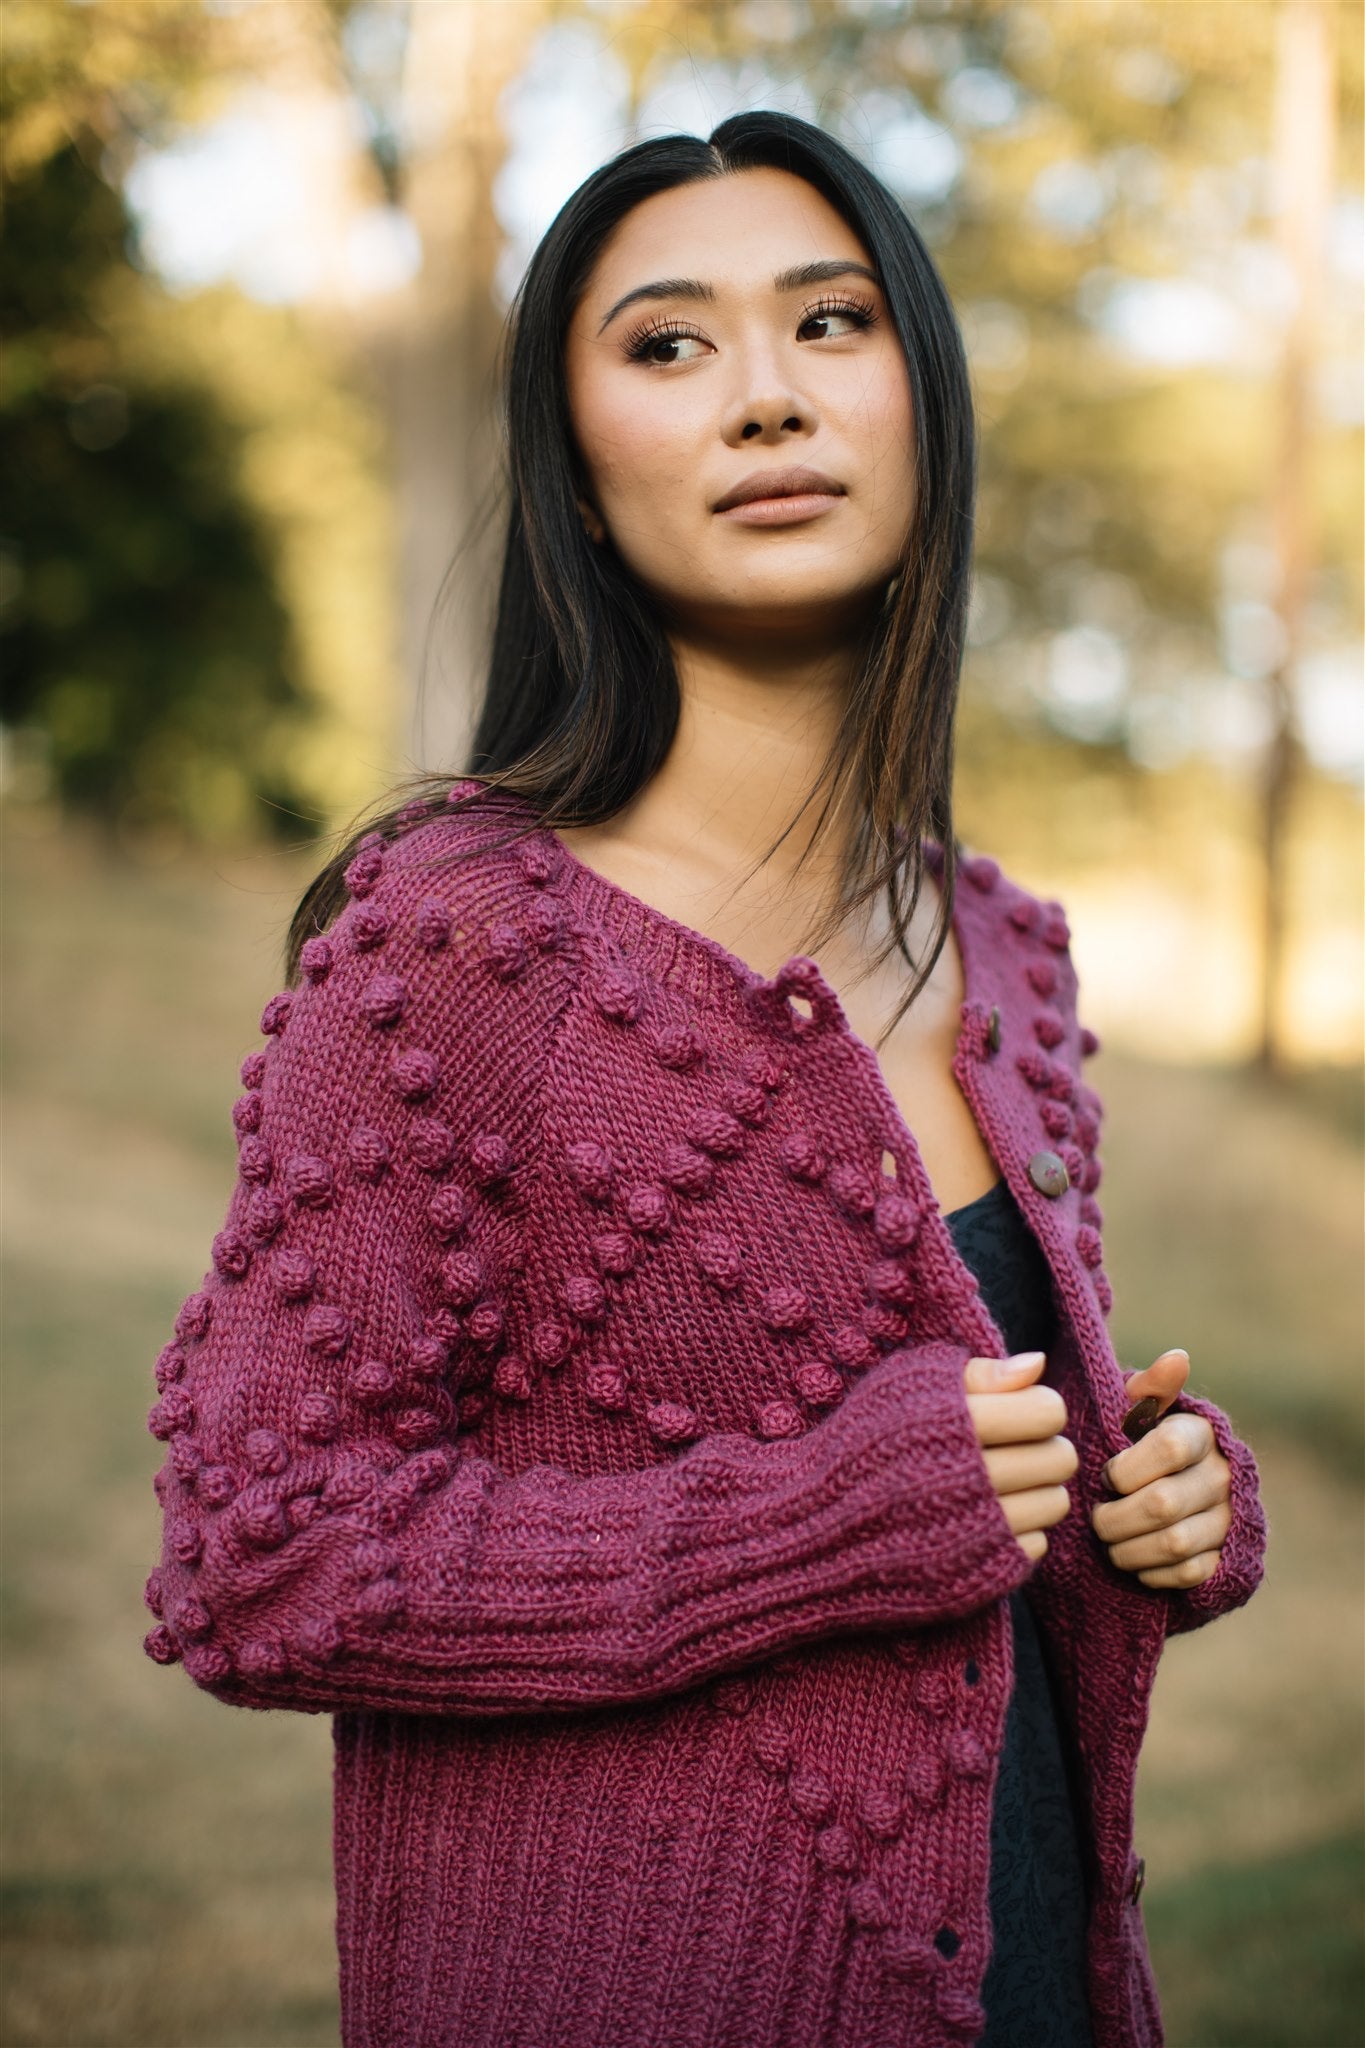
(167, 1862)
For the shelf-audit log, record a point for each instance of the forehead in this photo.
(735, 231)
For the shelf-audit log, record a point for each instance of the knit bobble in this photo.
(867, 1907)
(216, 1487)
(648, 1210)
(811, 1794)
(433, 924)
(852, 1345)
(1104, 1293)
(309, 1180)
(982, 872)
(384, 1000)
(672, 1422)
(207, 1664)
(462, 1278)
(1073, 1159)
(275, 1015)
(1048, 1028)
(785, 1308)
(153, 1592)
(427, 1358)
(818, 1383)
(315, 958)
(720, 1259)
(187, 1541)
(294, 1275)
(835, 1849)
(1024, 914)
(264, 1524)
(1056, 930)
(933, 1693)
(186, 1461)
(550, 1342)
(544, 922)
(1091, 1175)
(605, 1386)
(747, 1101)
(881, 1811)
(965, 1754)
(266, 1452)
(319, 1638)
(196, 1312)
(255, 1161)
(763, 1066)
(431, 1144)
(319, 1418)
(926, 1780)
(192, 1620)
(584, 1297)
(327, 1330)
(161, 1646)
(889, 1281)
(678, 1046)
(687, 1171)
(368, 1153)
(778, 1419)
(415, 1074)
(253, 1069)
(540, 860)
(246, 1114)
(1056, 1119)
(616, 1252)
(415, 1427)
(771, 1745)
(1042, 977)
(853, 1189)
(512, 1378)
(616, 992)
(591, 1169)
(366, 867)
(886, 1326)
(372, 1384)
(715, 1131)
(265, 1657)
(896, 1222)
(1035, 1068)
(1090, 1043)
(491, 1158)
(506, 951)
(801, 1155)
(369, 928)
(170, 1366)
(1088, 1245)
(231, 1255)
(448, 1212)
(1091, 1212)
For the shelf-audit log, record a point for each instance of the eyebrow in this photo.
(799, 279)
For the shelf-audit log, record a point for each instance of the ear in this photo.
(592, 520)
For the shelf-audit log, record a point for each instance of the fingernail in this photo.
(1141, 1416)
(1005, 1367)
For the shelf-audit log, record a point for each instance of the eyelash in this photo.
(638, 344)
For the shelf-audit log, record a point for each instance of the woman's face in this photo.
(732, 332)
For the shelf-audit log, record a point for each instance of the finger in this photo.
(991, 1375)
(1176, 1442)
(1013, 1467)
(1192, 1572)
(1034, 1544)
(1038, 1508)
(1172, 1498)
(1026, 1417)
(1173, 1544)
(1164, 1378)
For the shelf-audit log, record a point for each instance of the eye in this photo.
(836, 319)
(665, 342)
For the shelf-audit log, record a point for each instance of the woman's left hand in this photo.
(1172, 1521)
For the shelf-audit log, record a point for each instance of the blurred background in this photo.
(259, 252)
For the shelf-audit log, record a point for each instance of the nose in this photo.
(767, 412)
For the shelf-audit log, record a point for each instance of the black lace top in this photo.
(1035, 1982)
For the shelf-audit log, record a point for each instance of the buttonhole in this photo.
(973, 1672)
(889, 1165)
(947, 1942)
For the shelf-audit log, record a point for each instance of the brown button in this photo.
(1139, 1880)
(1048, 1174)
(993, 1029)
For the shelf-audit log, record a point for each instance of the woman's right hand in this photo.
(1018, 1427)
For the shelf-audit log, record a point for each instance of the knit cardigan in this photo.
(574, 1410)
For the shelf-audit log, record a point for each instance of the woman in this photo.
(597, 1402)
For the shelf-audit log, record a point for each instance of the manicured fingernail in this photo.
(1140, 1417)
(1006, 1367)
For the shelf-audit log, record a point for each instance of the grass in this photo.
(167, 1867)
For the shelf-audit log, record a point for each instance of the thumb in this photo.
(1003, 1375)
(1157, 1386)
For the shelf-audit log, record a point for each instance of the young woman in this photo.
(680, 1444)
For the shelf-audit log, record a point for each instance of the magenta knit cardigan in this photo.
(574, 1411)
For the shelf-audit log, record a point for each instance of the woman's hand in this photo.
(1171, 1524)
(1017, 1425)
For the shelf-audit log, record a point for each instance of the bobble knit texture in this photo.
(573, 1409)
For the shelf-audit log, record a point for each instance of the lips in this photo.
(779, 483)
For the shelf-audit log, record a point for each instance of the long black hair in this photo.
(581, 701)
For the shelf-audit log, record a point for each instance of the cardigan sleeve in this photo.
(330, 1538)
(1241, 1564)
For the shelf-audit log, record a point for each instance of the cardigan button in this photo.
(1048, 1174)
(1139, 1879)
(993, 1029)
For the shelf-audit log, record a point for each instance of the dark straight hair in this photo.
(581, 699)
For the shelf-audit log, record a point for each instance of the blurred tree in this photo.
(145, 639)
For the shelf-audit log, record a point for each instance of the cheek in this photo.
(633, 446)
(882, 422)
